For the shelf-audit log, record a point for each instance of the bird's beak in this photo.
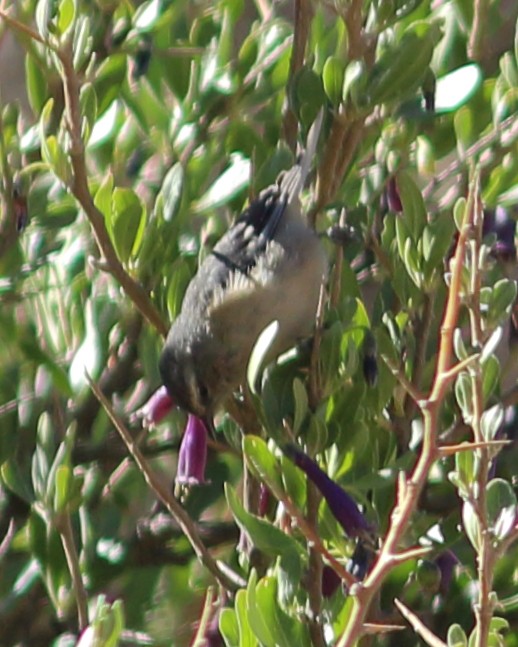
(209, 423)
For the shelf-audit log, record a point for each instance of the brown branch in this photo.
(302, 24)
(418, 626)
(162, 491)
(80, 190)
(422, 333)
(409, 490)
(478, 30)
(509, 127)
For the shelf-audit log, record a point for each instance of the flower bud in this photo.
(392, 195)
(330, 581)
(156, 408)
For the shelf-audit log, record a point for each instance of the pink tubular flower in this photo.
(192, 456)
(156, 408)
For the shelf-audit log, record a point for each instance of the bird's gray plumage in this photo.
(268, 266)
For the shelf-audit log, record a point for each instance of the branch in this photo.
(303, 15)
(409, 490)
(79, 188)
(418, 626)
(64, 528)
(173, 506)
(509, 127)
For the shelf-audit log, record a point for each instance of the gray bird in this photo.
(269, 266)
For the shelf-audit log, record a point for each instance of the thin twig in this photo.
(403, 380)
(450, 450)
(163, 493)
(313, 537)
(509, 127)
(418, 626)
(21, 28)
(64, 528)
(302, 23)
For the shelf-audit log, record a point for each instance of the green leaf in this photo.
(414, 210)
(471, 524)
(228, 625)
(62, 487)
(355, 80)
(180, 277)
(108, 79)
(262, 463)
(16, 481)
(456, 636)
(456, 88)
(264, 535)
(502, 299)
(44, 12)
(171, 191)
(36, 83)
(246, 635)
(490, 376)
(491, 421)
(260, 625)
(501, 507)
(103, 200)
(107, 125)
(466, 464)
(458, 212)
(307, 95)
(301, 404)
(233, 180)
(403, 65)
(333, 78)
(83, 41)
(66, 15)
(294, 482)
(54, 155)
(88, 107)
(284, 630)
(127, 222)
(147, 15)
(464, 396)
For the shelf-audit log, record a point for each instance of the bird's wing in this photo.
(242, 246)
(233, 258)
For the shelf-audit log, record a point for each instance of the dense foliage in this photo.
(338, 498)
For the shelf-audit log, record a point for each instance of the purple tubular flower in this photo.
(265, 497)
(392, 195)
(192, 457)
(156, 408)
(341, 504)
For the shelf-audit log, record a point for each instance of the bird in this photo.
(269, 266)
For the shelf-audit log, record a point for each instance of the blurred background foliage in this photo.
(186, 110)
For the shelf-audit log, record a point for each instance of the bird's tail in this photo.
(294, 180)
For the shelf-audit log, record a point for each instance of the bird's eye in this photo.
(204, 392)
